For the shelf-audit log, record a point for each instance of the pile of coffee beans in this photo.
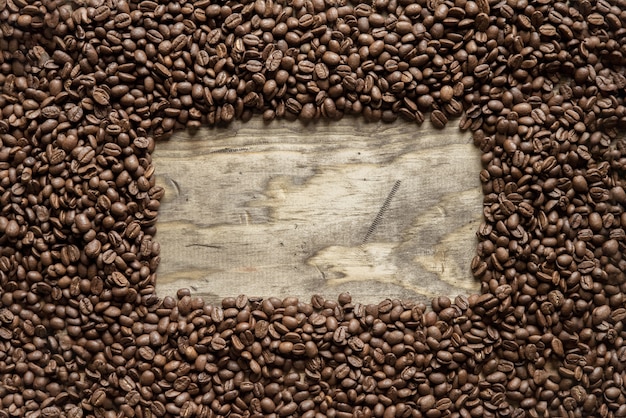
(86, 87)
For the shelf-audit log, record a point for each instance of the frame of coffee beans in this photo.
(88, 86)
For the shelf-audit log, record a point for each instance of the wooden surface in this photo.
(285, 209)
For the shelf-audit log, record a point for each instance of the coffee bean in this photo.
(331, 58)
(446, 93)
(438, 119)
(306, 66)
(254, 66)
(101, 96)
(482, 71)
(339, 335)
(92, 249)
(12, 229)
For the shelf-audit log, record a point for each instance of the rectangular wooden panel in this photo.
(288, 209)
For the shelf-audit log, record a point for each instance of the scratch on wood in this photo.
(320, 271)
(227, 150)
(217, 247)
(176, 186)
(381, 212)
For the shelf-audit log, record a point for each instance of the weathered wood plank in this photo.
(291, 210)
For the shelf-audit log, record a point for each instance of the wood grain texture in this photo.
(285, 209)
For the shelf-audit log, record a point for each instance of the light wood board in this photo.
(286, 209)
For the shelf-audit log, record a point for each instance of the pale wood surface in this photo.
(285, 209)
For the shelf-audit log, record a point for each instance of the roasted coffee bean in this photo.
(438, 119)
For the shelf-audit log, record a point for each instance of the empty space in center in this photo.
(286, 209)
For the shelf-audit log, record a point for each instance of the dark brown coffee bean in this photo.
(321, 71)
(482, 71)
(438, 119)
(446, 93)
(339, 335)
(254, 66)
(12, 229)
(92, 249)
(100, 96)
(331, 58)
(158, 409)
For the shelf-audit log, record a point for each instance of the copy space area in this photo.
(286, 209)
